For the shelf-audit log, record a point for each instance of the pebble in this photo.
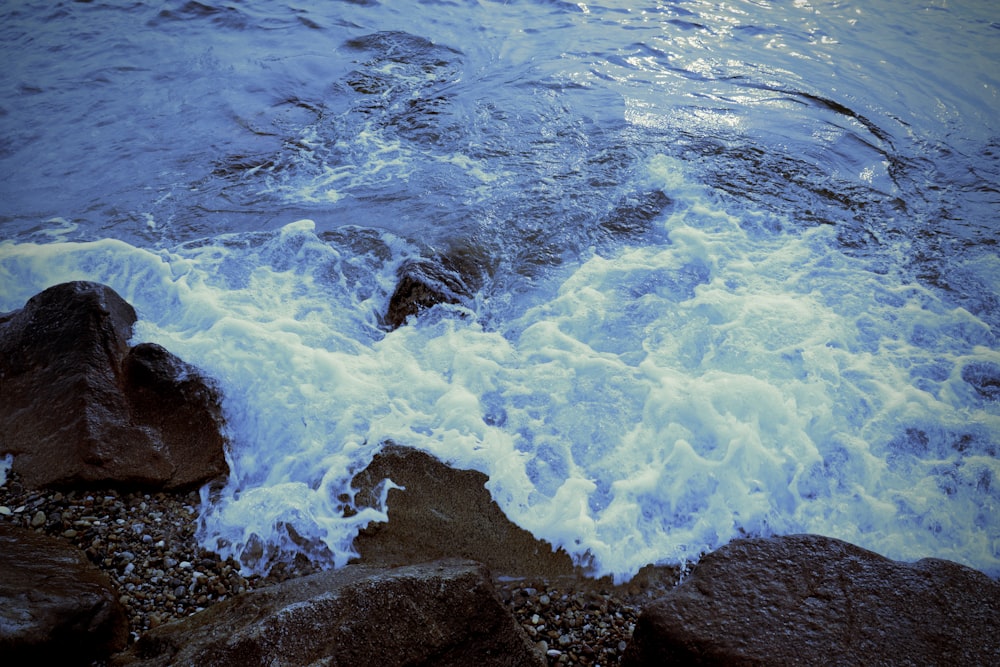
(127, 535)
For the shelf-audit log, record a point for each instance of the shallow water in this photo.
(739, 271)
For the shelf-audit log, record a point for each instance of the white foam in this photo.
(5, 464)
(649, 407)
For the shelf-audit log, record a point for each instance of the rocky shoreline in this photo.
(91, 565)
(144, 542)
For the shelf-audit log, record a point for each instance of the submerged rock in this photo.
(633, 216)
(424, 283)
(439, 614)
(78, 406)
(812, 600)
(55, 607)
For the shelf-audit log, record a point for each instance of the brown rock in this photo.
(811, 600)
(79, 407)
(55, 607)
(446, 512)
(436, 614)
(424, 283)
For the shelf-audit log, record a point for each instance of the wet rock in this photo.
(634, 214)
(445, 512)
(78, 406)
(984, 378)
(442, 613)
(811, 600)
(424, 283)
(55, 607)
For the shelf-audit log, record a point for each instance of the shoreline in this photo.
(144, 542)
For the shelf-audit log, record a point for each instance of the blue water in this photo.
(737, 264)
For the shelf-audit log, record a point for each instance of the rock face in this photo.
(446, 512)
(55, 607)
(79, 407)
(424, 283)
(443, 614)
(811, 600)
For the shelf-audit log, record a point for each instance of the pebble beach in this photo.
(145, 544)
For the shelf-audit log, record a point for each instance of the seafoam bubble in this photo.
(644, 406)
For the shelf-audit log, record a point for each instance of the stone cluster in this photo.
(145, 543)
(99, 552)
(572, 623)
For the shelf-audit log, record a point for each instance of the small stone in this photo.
(70, 533)
(544, 600)
(553, 653)
(38, 519)
(4, 510)
(184, 565)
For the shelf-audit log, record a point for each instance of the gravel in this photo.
(145, 543)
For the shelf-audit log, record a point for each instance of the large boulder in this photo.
(78, 406)
(440, 614)
(442, 511)
(55, 606)
(811, 600)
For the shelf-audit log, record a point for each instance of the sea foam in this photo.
(643, 406)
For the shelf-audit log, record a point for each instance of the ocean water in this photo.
(739, 271)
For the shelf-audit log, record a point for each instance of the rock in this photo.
(634, 214)
(55, 607)
(984, 376)
(446, 512)
(811, 600)
(444, 613)
(424, 283)
(79, 407)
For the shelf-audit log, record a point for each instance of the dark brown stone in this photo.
(812, 600)
(446, 512)
(441, 614)
(424, 283)
(79, 407)
(55, 607)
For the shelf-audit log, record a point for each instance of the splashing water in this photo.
(734, 282)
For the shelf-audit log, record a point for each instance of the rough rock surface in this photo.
(812, 600)
(444, 512)
(445, 613)
(55, 607)
(78, 406)
(424, 283)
